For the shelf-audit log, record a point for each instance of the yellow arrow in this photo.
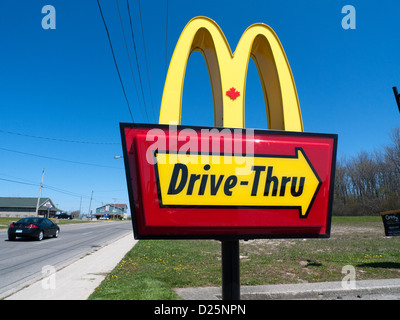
(272, 181)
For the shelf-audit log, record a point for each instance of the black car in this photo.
(64, 216)
(33, 227)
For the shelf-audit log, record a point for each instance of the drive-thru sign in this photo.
(182, 187)
(227, 182)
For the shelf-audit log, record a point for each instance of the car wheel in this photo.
(56, 234)
(40, 236)
(11, 238)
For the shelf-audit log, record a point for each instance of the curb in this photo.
(385, 289)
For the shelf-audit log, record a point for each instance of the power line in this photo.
(58, 159)
(20, 182)
(70, 193)
(46, 186)
(57, 139)
(136, 57)
(129, 59)
(115, 61)
(10, 176)
(147, 66)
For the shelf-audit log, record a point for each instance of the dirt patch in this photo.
(269, 246)
(359, 244)
(372, 229)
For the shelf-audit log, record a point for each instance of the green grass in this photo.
(6, 221)
(153, 268)
(356, 219)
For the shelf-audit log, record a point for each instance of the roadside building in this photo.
(26, 207)
(112, 211)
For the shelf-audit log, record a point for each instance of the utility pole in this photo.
(40, 191)
(80, 209)
(90, 204)
(115, 199)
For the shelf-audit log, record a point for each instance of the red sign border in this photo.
(217, 235)
(297, 149)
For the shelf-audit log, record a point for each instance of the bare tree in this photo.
(369, 182)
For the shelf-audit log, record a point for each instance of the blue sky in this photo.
(62, 84)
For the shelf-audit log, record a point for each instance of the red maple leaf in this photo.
(232, 93)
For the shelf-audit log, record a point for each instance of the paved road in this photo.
(22, 261)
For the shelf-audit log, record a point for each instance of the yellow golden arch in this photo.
(228, 72)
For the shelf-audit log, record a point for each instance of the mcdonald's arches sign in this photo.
(227, 181)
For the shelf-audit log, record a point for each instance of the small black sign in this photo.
(391, 222)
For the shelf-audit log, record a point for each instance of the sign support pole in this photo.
(230, 270)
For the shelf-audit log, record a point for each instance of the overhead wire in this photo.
(129, 59)
(58, 139)
(115, 61)
(147, 65)
(45, 186)
(136, 57)
(121, 82)
(58, 159)
(123, 89)
(70, 193)
(20, 182)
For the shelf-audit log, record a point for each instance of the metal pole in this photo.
(80, 209)
(397, 96)
(230, 270)
(40, 191)
(90, 204)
